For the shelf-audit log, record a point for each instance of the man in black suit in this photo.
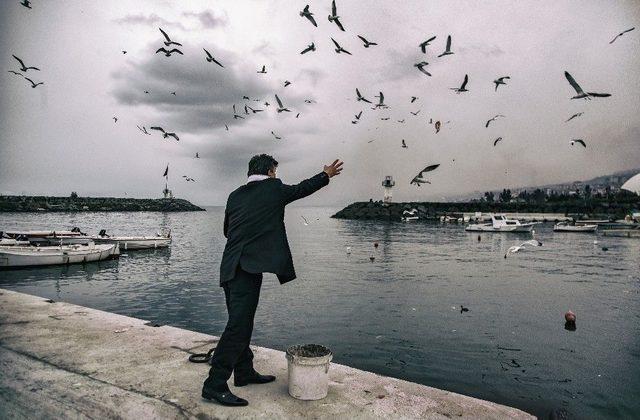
(256, 243)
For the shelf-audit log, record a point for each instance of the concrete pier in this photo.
(59, 360)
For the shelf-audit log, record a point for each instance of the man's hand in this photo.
(334, 169)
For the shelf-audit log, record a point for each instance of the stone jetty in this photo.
(19, 203)
(60, 360)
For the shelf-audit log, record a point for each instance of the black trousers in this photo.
(232, 354)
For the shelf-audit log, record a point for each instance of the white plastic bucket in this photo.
(308, 367)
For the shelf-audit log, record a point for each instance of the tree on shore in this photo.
(505, 196)
(489, 197)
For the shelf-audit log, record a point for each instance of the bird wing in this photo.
(174, 136)
(306, 9)
(616, 37)
(359, 115)
(234, 109)
(208, 53)
(157, 128)
(176, 50)
(311, 19)
(279, 101)
(19, 61)
(573, 82)
(448, 43)
(32, 82)
(217, 62)
(333, 8)
(496, 141)
(162, 49)
(431, 39)
(600, 95)
(336, 44)
(381, 98)
(466, 79)
(363, 40)
(337, 21)
(165, 35)
(488, 122)
(581, 142)
(628, 30)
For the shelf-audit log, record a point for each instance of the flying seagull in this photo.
(514, 249)
(297, 115)
(500, 81)
(463, 86)
(493, 119)
(166, 134)
(380, 103)
(197, 156)
(255, 110)
(401, 121)
(263, 71)
(235, 114)
(306, 222)
(26, 3)
(358, 115)
(246, 110)
(621, 33)
(281, 108)
(418, 179)
(168, 41)
(580, 93)
(124, 52)
(226, 127)
(437, 127)
(413, 99)
(210, 58)
(168, 53)
(362, 98)
(579, 141)
(385, 118)
(286, 83)
(496, 141)
(188, 179)
(339, 49)
(404, 145)
(24, 68)
(143, 129)
(420, 66)
(574, 116)
(415, 113)
(423, 46)
(447, 50)
(367, 44)
(115, 119)
(14, 72)
(311, 47)
(333, 17)
(276, 136)
(306, 13)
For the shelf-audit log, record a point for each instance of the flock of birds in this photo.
(170, 48)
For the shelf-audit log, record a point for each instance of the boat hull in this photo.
(133, 243)
(522, 228)
(29, 256)
(581, 228)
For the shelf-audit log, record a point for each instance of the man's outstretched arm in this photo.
(311, 185)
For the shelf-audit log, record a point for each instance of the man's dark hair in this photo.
(260, 164)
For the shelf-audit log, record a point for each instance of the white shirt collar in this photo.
(256, 178)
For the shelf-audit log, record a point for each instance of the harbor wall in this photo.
(16, 203)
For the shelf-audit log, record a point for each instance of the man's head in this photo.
(263, 165)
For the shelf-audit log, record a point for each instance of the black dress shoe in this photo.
(224, 397)
(256, 378)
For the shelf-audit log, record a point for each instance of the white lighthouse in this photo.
(388, 183)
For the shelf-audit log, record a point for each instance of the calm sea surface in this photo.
(399, 315)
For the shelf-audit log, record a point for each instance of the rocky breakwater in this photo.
(10, 203)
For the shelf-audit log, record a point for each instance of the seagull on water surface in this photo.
(307, 14)
(580, 93)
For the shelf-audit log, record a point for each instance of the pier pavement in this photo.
(59, 360)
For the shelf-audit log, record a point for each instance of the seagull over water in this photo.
(168, 41)
(311, 47)
(166, 134)
(307, 14)
(574, 116)
(580, 142)
(281, 108)
(621, 33)
(421, 66)
(493, 119)
(580, 93)
(500, 81)
(447, 50)
(24, 68)
(333, 17)
(210, 58)
(362, 98)
(167, 53)
(367, 44)
(463, 86)
(418, 179)
(423, 45)
(339, 49)
(518, 248)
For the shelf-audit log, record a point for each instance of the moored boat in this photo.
(27, 256)
(500, 223)
(126, 243)
(51, 237)
(567, 227)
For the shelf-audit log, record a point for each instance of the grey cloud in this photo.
(149, 20)
(208, 19)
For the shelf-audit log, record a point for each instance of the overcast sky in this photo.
(60, 137)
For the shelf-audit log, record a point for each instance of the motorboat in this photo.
(51, 237)
(160, 240)
(27, 256)
(568, 227)
(409, 215)
(500, 223)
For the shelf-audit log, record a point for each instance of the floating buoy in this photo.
(595, 242)
(372, 258)
(375, 244)
(570, 321)
(604, 248)
(349, 250)
(479, 238)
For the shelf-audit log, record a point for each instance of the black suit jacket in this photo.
(254, 227)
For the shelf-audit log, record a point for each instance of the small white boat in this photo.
(500, 223)
(409, 215)
(51, 237)
(26, 256)
(127, 243)
(567, 227)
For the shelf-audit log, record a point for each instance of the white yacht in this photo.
(500, 223)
